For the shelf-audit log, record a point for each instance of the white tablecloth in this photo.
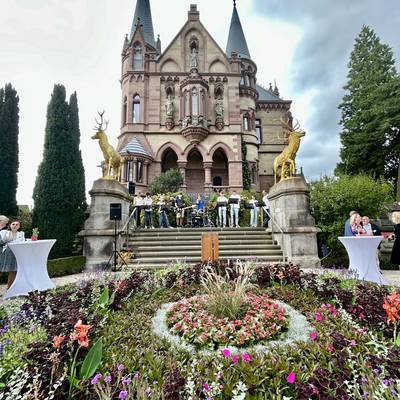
(363, 256)
(31, 267)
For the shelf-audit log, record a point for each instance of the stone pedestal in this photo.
(98, 234)
(289, 206)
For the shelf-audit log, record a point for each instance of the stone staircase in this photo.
(156, 248)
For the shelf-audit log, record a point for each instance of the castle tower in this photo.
(189, 107)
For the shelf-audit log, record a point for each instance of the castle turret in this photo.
(236, 39)
(143, 17)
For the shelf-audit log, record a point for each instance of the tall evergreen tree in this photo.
(371, 111)
(59, 201)
(9, 118)
(246, 174)
(78, 201)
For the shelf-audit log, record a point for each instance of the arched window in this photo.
(139, 171)
(195, 102)
(129, 171)
(137, 56)
(246, 122)
(136, 109)
(124, 110)
(258, 131)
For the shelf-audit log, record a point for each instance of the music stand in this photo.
(115, 254)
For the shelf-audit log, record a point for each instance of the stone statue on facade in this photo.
(219, 113)
(169, 107)
(194, 60)
(284, 163)
(219, 108)
(169, 112)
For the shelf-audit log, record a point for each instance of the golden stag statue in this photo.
(113, 161)
(284, 163)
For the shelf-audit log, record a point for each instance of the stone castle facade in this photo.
(193, 106)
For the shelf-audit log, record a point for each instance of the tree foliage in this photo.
(332, 199)
(59, 193)
(169, 181)
(371, 111)
(245, 168)
(9, 118)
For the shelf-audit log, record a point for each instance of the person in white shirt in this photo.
(367, 225)
(222, 201)
(148, 213)
(253, 212)
(267, 215)
(138, 203)
(8, 260)
(234, 209)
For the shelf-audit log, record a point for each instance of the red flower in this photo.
(80, 333)
(57, 340)
(313, 335)
(392, 307)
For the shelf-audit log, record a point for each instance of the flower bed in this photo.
(262, 321)
(350, 353)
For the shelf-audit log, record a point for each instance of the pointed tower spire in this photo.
(236, 39)
(143, 14)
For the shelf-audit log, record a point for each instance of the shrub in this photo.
(66, 266)
(332, 198)
(169, 181)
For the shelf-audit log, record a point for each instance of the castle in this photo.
(193, 106)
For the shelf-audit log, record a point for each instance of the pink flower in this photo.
(235, 358)
(318, 316)
(226, 353)
(353, 342)
(246, 357)
(313, 335)
(291, 377)
(329, 348)
(206, 387)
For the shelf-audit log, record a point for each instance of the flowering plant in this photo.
(263, 320)
(35, 234)
(391, 305)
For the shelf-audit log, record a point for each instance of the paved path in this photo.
(393, 277)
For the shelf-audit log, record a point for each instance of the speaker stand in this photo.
(113, 260)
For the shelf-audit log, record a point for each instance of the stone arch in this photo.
(220, 168)
(201, 149)
(170, 65)
(225, 148)
(217, 66)
(165, 147)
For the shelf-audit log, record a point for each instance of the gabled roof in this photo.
(266, 95)
(143, 14)
(236, 39)
(135, 147)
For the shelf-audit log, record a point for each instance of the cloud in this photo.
(319, 63)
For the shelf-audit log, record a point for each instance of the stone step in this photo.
(192, 247)
(162, 262)
(193, 253)
(241, 229)
(197, 241)
(152, 233)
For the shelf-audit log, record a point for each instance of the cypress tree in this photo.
(245, 168)
(371, 111)
(78, 202)
(59, 207)
(9, 118)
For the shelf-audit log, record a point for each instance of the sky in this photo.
(302, 44)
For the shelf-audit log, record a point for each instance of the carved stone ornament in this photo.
(169, 124)
(195, 134)
(219, 124)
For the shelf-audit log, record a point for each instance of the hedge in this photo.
(60, 267)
